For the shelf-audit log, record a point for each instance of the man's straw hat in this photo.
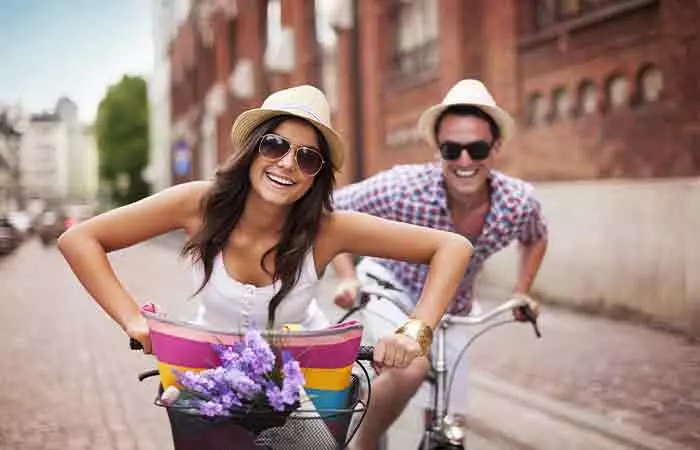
(468, 93)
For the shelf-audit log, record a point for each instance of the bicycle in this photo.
(304, 427)
(441, 430)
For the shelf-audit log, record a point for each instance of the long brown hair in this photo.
(223, 206)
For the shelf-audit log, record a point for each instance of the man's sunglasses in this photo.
(477, 150)
(274, 146)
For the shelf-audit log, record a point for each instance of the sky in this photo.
(73, 48)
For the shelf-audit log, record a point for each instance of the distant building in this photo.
(58, 157)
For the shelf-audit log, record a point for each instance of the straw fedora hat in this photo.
(470, 93)
(305, 102)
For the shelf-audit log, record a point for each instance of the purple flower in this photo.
(242, 384)
(292, 381)
(274, 396)
(212, 408)
(228, 354)
(229, 401)
(248, 372)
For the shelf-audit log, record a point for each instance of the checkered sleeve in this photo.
(375, 195)
(534, 226)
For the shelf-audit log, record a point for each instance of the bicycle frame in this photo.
(442, 431)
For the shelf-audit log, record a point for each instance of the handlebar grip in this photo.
(134, 344)
(366, 353)
(530, 316)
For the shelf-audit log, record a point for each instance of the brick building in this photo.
(600, 88)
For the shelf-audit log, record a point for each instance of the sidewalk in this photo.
(619, 378)
(590, 382)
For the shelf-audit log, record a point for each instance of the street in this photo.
(69, 380)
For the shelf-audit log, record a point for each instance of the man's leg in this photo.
(391, 391)
(393, 388)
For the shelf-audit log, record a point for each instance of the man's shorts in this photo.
(382, 317)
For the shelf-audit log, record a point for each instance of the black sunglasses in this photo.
(308, 159)
(477, 150)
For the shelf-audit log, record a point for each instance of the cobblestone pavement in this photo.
(69, 382)
(68, 379)
(630, 373)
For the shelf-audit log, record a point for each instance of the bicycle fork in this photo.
(442, 430)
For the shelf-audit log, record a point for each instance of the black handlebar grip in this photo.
(530, 316)
(134, 344)
(366, 353)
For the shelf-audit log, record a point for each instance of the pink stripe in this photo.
(180, 351)
(326, 356)
(183, 352)
(336, 334)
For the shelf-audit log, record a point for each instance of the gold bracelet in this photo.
(419, 332)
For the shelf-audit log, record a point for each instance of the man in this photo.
(462, 193)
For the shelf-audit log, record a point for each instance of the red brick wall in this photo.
(489, 40)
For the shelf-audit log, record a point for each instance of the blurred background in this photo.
(102, 103)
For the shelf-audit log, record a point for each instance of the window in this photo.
(537, 109)
(569, 8)
(416, 35)
(232, 42)
(651, 84)
(587, 98)
(545, 12)
(561, 103)
(617, 92)
(548, 12)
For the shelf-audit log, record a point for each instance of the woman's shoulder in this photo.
(189, 198)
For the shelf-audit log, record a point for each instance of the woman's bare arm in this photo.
(447, 254)
(85, 245)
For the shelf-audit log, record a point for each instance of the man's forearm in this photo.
(344, 266)
(530, 260)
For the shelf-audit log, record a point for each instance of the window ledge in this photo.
(398, 82)
(587, 19)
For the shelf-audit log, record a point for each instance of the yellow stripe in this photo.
(324, 379)
(327, 379)
(167, 377)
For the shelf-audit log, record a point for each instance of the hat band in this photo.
(296, 106)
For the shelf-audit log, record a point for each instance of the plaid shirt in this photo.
(416, 194)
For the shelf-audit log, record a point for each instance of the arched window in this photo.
(587, 98)
(650, 84)
(537, 109)
(561, 103)
(416, 36)
(617, 92)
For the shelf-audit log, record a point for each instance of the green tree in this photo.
(122, 139)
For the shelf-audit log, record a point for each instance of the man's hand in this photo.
(346, 293)
(534, 306)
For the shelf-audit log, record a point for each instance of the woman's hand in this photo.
(396, 351)
(137, 328)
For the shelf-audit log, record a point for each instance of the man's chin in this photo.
(468, 187)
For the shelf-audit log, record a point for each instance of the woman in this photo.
(262, 232)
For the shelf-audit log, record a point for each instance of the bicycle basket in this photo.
(326, 429)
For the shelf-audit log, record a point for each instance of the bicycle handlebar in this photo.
(385, 291)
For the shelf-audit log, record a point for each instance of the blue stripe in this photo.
(326, 399)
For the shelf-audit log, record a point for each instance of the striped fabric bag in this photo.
(325, 356)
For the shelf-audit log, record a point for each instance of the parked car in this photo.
(21, 220)
(10, 238)
(51, 225)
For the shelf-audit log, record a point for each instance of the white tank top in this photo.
(227, 304)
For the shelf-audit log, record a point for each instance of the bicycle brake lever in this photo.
(530, 316)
